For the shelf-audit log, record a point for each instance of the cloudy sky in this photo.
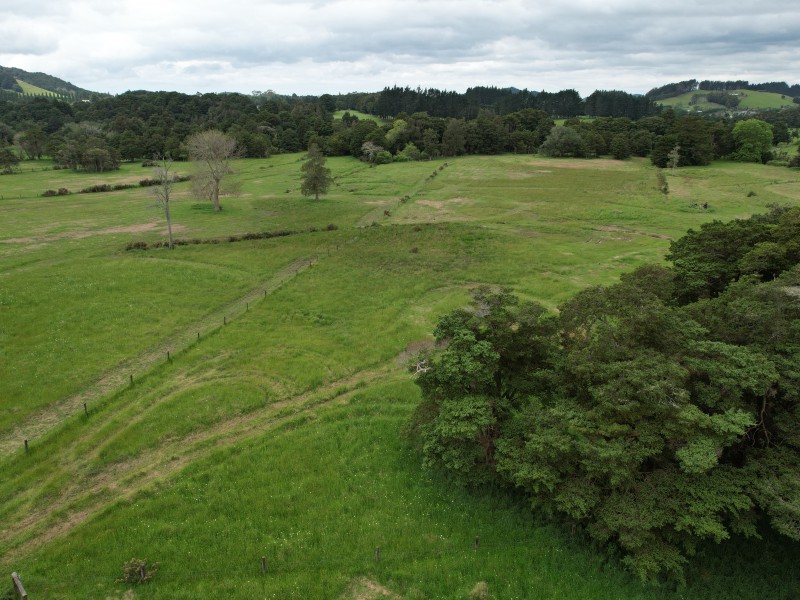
(319, 46)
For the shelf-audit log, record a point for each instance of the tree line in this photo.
(652, 414)
(98, 135)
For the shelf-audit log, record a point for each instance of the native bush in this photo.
(654, 413)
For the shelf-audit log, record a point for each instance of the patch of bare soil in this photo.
(584, 163)
(367, 589)
(617, 229)
(442, 203)
(79, 235)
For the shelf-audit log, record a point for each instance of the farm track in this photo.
(90, 487)
(42, 422)
(379, 213)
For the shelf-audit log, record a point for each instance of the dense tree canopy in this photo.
(140, 124)
(753, 139)
(649, 418)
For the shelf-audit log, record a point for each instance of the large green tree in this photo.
(753, 139)
(647, 417)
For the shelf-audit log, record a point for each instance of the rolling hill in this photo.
(697, 101)
(19, 81)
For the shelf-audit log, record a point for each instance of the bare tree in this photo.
(370, 150)
(674, 157)
(162, 191)
(212, 151)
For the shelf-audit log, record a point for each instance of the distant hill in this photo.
(732, 100)
(16, 82)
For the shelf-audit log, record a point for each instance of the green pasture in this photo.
(749, 100)
(279, 430)
(34, 90)
(361, 116)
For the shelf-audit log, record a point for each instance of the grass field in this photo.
(362, 116)
(33, 90)
(275, 426)
(749, 100)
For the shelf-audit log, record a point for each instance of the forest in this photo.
(420, 124)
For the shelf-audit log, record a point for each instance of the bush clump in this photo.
(58, 192)
(97, 188)
(138, 571)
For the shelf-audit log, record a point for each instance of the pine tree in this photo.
(316, 176)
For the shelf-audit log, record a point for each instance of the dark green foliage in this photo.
(480, 379)
(8, 161)
(316, 176)
(724, 98)
(97, 188)
(564, 141)
(706, 261)
(672, 89)
(652, 424)
(753, 139)
(620, 147)
(58, 192)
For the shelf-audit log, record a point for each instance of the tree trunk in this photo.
(169, 224)
(215, 196)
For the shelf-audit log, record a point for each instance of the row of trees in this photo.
(135, 125)
(652, 414)
(566, 103)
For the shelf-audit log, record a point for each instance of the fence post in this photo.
(26, 444)
(263, 565)
(477, 543)
(18, 588)
(377, 554)
(85, 410)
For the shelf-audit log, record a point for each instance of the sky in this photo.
(339, 46)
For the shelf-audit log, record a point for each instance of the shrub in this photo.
(93, 189)
(332, 227)
(136, 246)
(58, 192)
(138, 571)
(383, 158)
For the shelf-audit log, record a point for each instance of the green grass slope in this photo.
(33, 90)
(750, 100)
(278, 430)
(362, 116)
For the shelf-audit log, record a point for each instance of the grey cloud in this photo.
(557, 44)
